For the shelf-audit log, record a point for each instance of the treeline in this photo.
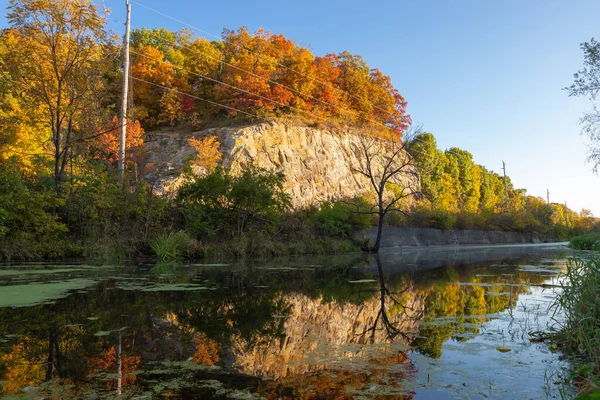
(458, 193)
(60, 192)
(262, 74)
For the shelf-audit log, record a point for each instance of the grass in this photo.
(589, 241)
(171, 246)
(579, 337)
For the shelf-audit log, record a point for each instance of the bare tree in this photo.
(390, 169)
(392, 331)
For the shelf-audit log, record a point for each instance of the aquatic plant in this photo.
(579, 337)
(171, 246)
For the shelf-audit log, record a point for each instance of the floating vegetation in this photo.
(38, 293)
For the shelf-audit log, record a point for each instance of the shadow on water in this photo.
(396, 325)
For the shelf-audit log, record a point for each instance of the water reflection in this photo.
(339, 327)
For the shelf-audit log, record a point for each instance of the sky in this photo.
(482, 75)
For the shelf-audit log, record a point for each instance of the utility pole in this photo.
(548, 195)
(125, 90)
(505, 187)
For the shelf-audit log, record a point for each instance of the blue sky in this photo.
(485, 75)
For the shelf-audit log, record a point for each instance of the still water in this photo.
(436, 324)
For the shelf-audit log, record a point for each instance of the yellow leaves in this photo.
(22, 368)
(208, 156)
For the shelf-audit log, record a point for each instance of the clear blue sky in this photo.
(482, 75)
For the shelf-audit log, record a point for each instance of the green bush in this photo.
(102, 212)
(342, 218)
(29, 225)
(221, 203)
(589, 241)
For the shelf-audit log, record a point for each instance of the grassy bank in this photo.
(579, 337)
(589, 241)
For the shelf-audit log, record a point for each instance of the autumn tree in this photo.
(390, 169)
(57, 60)
(208, 155)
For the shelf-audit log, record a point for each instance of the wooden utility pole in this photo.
(505, 187)
(122, 143)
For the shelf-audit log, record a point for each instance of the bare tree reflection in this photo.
(382, 321)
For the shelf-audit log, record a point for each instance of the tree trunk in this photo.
(375, 247)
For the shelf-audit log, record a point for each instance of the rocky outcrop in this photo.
(317, 163)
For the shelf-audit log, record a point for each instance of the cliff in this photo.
(317, 163)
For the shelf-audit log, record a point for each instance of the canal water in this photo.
(460, 323)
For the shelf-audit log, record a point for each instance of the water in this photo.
(430, 324)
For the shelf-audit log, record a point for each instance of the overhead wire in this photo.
(200, 98)
(261, 56)
(334, 106)
(227, 85)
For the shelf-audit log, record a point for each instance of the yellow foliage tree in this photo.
(208, 156)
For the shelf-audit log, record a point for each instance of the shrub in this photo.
(101, 210)
(29, 227)
(221, 203)
(342, 218)
(589, 241)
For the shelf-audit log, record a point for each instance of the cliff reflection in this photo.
(315, 328)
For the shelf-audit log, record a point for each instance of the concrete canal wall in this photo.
(401, 237)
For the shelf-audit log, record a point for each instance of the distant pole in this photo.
(548, 195)
(566, 216)
(125, 89)
(505, 187)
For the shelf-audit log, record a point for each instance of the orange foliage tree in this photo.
(208, 156)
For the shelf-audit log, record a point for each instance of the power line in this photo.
(228, 85)
(199, 98)
(358, 114)
(260, 55)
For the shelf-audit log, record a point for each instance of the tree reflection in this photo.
(390, 329)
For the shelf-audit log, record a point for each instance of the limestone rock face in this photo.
(317, 163)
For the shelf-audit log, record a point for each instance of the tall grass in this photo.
(579, 337)
(589, 241)
(171, 246)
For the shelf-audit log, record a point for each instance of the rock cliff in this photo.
(317, 163)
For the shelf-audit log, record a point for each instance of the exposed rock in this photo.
(317, 163)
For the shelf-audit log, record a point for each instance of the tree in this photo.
(429, 161)
(57, 60)
(587, 83)
(391, 170)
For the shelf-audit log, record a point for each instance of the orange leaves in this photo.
(208, 156)
(264, 74)
(106, 146)
(107, 362)
(206, 350)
